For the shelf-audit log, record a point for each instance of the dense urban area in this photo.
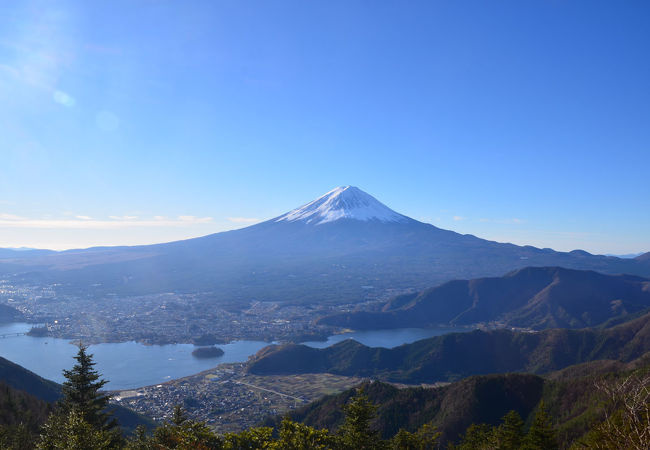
(169, 317)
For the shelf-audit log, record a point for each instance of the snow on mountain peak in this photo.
(344, 202)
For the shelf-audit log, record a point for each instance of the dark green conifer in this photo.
(477, 437)
(82, 392)
(541, 435)
(510, 434)
(178, 416)
(356, 432)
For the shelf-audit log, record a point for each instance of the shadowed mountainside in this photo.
(534, 297)
(9, 314)
(19, 378)
(458, 355)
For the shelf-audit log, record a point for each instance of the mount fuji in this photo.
(341, 247)
(345, 202)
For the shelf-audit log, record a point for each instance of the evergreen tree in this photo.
(69, 431)
(540, 435)
(404, 440)
(296, 436)
(178, 416)
(82, 392)
(426, 438)
(476, 437)
(250, 439)
(509, 435)
(355, 433)
(179, 433)
(140, 440)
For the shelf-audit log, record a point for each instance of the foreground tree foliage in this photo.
(627, 415)
(81, 422)
(510, 434)
(82, 393)
(356, 433)
(70, 431)
(21, 416)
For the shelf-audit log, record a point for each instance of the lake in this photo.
(129, 365)
(386, 338)
(126, 365)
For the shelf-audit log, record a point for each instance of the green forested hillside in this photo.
(21, 416)
(450, 409)
(19, 378)
(458, 355)
(571, 397)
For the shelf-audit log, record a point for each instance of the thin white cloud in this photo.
(243, 219)
(126, 217)
(193, 219)
(86, 222)
(458, 218)
(10, 217)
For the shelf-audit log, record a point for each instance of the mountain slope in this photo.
(9, 314)
(571, 398)
(458, 355)
(21, 416)
(450, 409)
(19, 378)
(534, 297)
(336, 248)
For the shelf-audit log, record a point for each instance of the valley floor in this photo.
(229, 399)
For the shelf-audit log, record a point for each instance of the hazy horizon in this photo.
(103, 225)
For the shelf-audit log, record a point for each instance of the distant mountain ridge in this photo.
(331, 249)
(12, 253)
(533, 297)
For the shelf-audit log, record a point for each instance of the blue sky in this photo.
(129, 122)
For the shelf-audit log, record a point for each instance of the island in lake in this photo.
(207, 352)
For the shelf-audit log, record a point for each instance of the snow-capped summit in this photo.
(344, 202)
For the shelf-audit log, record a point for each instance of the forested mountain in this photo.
(533, 297)
(451, 409)
(571, 398)
(337, 247)
(21, 416)
(458, 355)
(19, 378)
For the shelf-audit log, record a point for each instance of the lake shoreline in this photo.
(131, 364)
